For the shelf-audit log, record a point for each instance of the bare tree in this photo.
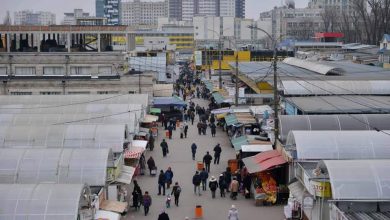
(329, 17)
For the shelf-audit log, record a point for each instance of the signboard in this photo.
(321, 189)
(198, 58)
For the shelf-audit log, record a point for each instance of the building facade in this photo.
(71, 18)
(298, 24)
(342, 5)
(34, 18)
(216, 8)
(143, 13)
(234, 32)
(175, 10)
(112, 11)
(99, 7)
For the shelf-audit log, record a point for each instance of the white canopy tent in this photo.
(318, 145)
(359, 180)
(43, 201)
(64, 166)
(64, 136)
(288, 123)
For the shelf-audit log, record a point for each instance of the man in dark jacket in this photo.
(213, 128)
(163, 216)
(164, 147)
(217, 153)
(207, 160)
(196, 181)
(147, 202)
(151, 165)
(161, 182)
(213, 185)
(176, 190)
(222, 185)
(199, 126)
(185, 129)
(204, 176)
(168, 177)
(193, 150)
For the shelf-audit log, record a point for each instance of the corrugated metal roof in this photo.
(315, 67)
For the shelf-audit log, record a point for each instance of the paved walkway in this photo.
(183, 167)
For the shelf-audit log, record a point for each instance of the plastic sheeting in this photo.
(288, 123)
(339, 87)
(32, 166)
(359, 179)
(164, 101)
(63, 136)
(54, 100)
(42, 201)
(317, 145)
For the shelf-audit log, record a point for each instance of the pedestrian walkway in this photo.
(183, 167)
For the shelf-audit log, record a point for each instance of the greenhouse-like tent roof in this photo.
(48, 100)
(231, 119)
(41, 201)
(288, 123)
(359, 179)
(63, 136)
(164, 101)
(32, 166)
(218, 97)
(317, 145)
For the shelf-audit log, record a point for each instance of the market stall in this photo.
(171, 107)
(268, 173)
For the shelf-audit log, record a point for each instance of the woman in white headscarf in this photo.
(233, 213)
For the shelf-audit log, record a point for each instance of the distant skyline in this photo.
(59, 7)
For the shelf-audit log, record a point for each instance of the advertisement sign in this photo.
(198, 58)
(321, 189)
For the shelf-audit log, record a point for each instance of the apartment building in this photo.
(137, 12)
(34, 18)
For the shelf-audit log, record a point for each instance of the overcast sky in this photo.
(253, 7)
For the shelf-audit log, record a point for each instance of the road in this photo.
(179, 158)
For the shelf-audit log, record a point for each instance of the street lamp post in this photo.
(274, 63)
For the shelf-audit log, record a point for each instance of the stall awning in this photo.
(238, 142)
(134, 153)
(222, 111)
(150, 118)
(168, 101)
(245, 118)
(139, 144)
(218, 97)
(231, 119)
(263, 161)
(155, 110)
(126, 175)
(256, 148)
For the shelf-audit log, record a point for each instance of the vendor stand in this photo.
(171, 107)
(268, 173)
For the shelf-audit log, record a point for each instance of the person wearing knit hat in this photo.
(233, 213)
(213, 185)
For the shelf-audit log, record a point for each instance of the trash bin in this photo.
(233, 164)
(199, 165)
(198, 211)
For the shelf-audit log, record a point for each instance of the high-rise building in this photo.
(240, 9)
(175, 10)
(111, 11)
(99, 5)
(137, 12)
(34, 18)
(70, 18)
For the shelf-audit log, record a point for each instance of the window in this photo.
(55, 70)
(25, 71)
(3, 70)
(80, 70)
(50, 93)
(105, 70)
(107, 92)
(21, 93)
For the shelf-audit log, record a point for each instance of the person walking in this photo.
(163, 216)
(193, 150)
(182, 131)
(151, 142)
(142, 164)
(192, 115)
(213, 128)
(168, 177)
(233, 213)
(164, 147)
(161, 182)
(147, 202)
(217, 153)
(207, 161)
(228, 178)
(170, 128)
(176, 190)
(204, 128)
(185, 129)
(199, 126)
(151, 164)
(234, 186)
(222, 185)
(196, 181)
(204, 175)
(213, 185)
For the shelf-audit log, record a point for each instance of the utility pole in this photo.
(236, 97)
(276, 97)
(209, 63)
(220, 62)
